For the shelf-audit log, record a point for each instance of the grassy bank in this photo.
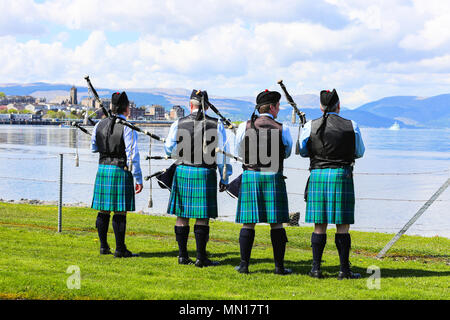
(34, 259)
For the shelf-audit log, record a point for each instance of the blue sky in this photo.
(365, 49)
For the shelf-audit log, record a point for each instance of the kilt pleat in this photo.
(114, 189)
(194, 193)
(331, 196)
(262, 198)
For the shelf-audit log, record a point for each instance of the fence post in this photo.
(60, 192)
(413, 219)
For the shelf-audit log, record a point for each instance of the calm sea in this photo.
(399, 172)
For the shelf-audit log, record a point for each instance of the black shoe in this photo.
(316, 274)
(105, 251)
(242, 268)
(206, 263)
(348, 275)
(125, 254)
(282, 271)
(186, 261)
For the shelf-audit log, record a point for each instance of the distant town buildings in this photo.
(176, 113)
(17, 99)
(73, 95)
(28, 108)
(156, 112)
(87, 102)
(137, 113)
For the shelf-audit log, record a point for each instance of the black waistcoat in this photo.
(334, 146)
(110, 143)
(259, 152)
(190, 136)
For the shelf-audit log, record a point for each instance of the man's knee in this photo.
(202, 222)
(182, 222)
(342, 228)
(320, 228)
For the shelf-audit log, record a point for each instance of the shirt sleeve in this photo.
(222, 160)
(287, 141)
(359, 144)
(240, 134)
(171, 140)
(130, 138)
(304, 137)
(94, 147)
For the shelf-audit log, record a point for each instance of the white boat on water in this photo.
(395, 126)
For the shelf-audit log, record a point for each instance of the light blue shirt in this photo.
(130, 138)
(306, 133)
(222, 143)
(285, 137)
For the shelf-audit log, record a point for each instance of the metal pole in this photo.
(60, 192)
(413, 219)
(150, 199)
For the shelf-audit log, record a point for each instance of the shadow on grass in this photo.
(300, 267)
(174, 254)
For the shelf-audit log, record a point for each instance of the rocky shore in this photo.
(44, 203)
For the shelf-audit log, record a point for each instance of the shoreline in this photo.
(64, 124)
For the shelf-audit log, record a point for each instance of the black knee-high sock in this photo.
(343, 244)
(182, 235)
(119, 223)
(102, 225)
(246, 238)
(318, 242)
(201, 238)
(279, 239)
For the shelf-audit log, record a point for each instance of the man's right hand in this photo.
(139, 188)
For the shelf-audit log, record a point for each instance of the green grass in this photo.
(34, 259)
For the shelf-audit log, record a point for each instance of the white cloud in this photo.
(234, 48)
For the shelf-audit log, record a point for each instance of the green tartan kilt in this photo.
(262, 198)
(331, 196)
(114, 189)
(194, 193)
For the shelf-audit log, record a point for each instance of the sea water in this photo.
(399, 172)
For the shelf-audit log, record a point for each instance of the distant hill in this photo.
(415, 111)
(408, 111)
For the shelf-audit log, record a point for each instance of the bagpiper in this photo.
(332, 143)
(114, 185)
(192, 140)
(263, 143)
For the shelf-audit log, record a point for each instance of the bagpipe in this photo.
(108, 114)
(165, 177)
(235, 185)
(295, 111)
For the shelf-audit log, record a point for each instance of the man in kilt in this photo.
(263, 143)
(332, 143)
(118, 164)
(193, 140)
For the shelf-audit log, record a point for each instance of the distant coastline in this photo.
(52, 122)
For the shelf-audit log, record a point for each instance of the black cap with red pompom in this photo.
(267, 97)
(328, 99)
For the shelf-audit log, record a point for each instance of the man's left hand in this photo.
(222, 187)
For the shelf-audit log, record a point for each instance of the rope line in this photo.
(288, 168)
(158, 188)
(382, 173)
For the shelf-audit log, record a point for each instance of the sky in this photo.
(367, 50)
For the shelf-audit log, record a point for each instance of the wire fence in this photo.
(145, 164)
(20, 157)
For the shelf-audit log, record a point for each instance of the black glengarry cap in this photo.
(267, 97)
(328, 98)
(198, 94)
